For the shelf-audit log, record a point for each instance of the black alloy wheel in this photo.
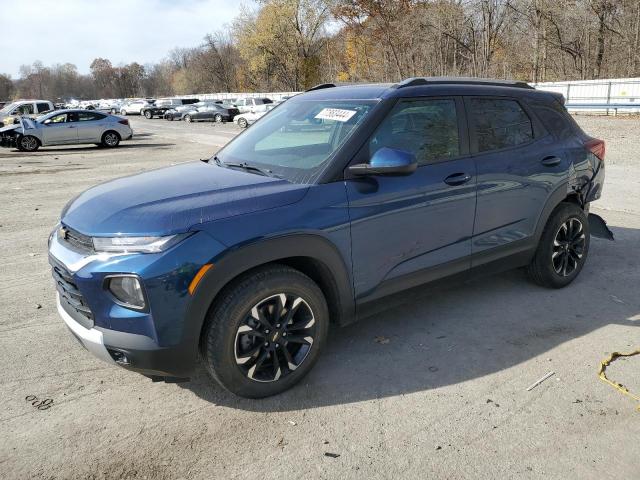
(568, 247)
(265, 332)
(275, 338)
(563, 247)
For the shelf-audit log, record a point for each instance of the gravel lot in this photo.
(445, 397)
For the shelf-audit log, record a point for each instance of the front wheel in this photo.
(218, 118)
(188, 119)
(242, 123)
(563, 247)
(148, 114)
(266, 332)
(28, 143)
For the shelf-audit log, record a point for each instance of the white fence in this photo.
(275, 96)
(619, 94)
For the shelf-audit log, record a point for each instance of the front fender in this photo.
(234, 262)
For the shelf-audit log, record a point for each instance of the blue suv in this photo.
(337, 198)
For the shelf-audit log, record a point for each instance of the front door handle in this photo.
(551, 161)
(457, 179)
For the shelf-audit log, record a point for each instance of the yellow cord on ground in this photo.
(618, 386)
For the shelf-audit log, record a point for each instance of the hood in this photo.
(9, 128)
(175, 199)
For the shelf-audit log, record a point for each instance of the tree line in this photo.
(290, 45)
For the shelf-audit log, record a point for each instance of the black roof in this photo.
(417, 86)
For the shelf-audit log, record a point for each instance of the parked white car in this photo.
(15, 110)
(245, 119)
(251, 104)
(135, 108)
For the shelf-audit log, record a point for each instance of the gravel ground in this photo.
(445, 397)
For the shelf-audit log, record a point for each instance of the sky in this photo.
(77, 31)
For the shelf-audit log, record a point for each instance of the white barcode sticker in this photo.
(337, 114)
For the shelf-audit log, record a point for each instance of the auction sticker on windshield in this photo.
(335, 114)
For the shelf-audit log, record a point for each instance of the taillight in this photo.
(124, 121)
(596, 146)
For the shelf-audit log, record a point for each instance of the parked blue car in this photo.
(339, 197)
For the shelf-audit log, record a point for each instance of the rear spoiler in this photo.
(558, 96)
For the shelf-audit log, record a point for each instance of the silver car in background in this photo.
(66, 127)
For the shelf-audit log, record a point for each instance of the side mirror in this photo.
(387, 161)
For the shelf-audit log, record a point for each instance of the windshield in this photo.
(297, 139)
(8, 108)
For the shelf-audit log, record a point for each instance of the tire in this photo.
(242, 123)
(110, 139)
(188, 119)
(565, 236)
(217, 118)
(148, 114)
(123, 112)
(234, 343)
(113, 111)
(141, 111)
(28, 143)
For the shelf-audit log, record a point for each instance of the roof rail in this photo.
(321, 86)
(415, 81)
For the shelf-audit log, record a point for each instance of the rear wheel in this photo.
(242, 123)
(123, 112)
(266, 332)
(218, 118)
(28, 143)
(110, 139)
(563, 247)
(148, 114)
(187, 118)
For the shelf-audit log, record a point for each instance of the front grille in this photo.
(70, 297)
(75, 239)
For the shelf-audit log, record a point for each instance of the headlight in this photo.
(127, 291)
(136, 244)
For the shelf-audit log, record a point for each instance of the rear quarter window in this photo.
(556, 120)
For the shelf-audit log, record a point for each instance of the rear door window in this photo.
(89, 116)
(427, 128)
(499, 123)
(43, 107)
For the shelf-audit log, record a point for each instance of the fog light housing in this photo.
(127, 291)
(119, 357)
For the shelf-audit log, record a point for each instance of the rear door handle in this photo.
(457, 179)
(551, 161)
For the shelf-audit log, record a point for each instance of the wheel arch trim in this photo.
(235, 262)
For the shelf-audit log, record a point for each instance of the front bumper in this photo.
(90, 338)
(161, 342)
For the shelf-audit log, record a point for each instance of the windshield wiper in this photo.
(245, 166)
